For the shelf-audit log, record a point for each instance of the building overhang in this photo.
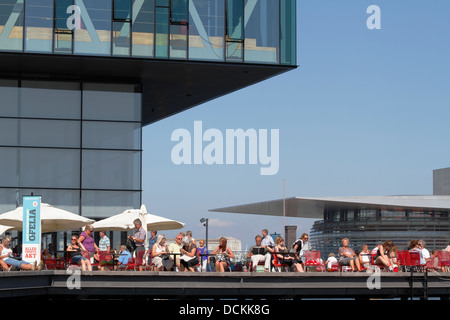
(303, 207)
(168, 86)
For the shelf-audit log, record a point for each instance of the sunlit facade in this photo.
(250, 31)
(79, 79)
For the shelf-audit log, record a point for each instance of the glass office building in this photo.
(80, 78)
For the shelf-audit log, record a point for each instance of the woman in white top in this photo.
(160, 255)
(7, 259)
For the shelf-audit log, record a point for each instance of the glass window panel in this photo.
(105, 169)
(49, 133)
(178, 41)
(11, 25)
(111, 135)
(62, 199)
(143, 28)
(121, 38)
(94, 36)
(9, 177)
(162, 3)
(8, 199)
(262, 31)
(122, 9)
(179, 11)
(43, 99)
(234, 51)
(100, 103)
(49, 168)
(9, 93)
(61, 14)
(8, 132)
(235, 23)
(63, 36)
(288, 50)
(206, 30)
(102, 204)
(38, 25)
(162, 32)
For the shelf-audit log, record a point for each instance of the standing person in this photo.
(189, 234)
(139, 238)
(267, 241)
(301, 245)
(104, 244)
(151, 242)
(203, 251)
(86, 240)
(223, 255)
(347, 256)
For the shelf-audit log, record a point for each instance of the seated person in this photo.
(259, 253)
(284, 258)
(160, 255)
(223, 254)
(124, 257)
(347, 256)
(76, 255)
(331, 261)
(365, 258)
(188, 259)
(383, 256)
(7, 258)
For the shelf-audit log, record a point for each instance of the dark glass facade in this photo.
(372, 225)
(78, 145)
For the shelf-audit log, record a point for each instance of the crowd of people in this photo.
(186, 255)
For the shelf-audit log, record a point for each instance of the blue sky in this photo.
(365, 113)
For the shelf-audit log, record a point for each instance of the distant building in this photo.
(367, 220)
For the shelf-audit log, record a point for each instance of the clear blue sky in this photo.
(367, 112)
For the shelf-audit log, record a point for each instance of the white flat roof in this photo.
(306, 207)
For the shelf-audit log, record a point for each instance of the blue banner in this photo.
(31, 220)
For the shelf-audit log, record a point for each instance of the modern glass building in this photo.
(366, 220)
(80, 78)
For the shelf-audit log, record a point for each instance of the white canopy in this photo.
(52, 219)
(124, 221)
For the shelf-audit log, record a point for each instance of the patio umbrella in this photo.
(52, 219)
(4, 228)
(124, 221)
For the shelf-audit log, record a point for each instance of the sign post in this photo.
(31, 232)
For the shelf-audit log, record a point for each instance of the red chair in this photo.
(105, 260)
(141, 260)
(50, 264)
(278, 266)
(314, 261)
(444, 259)
(334, 267)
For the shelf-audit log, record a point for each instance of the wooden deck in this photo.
(57, 284)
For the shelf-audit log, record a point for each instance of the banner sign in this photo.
(31, 231)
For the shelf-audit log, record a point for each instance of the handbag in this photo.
(131, 245)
